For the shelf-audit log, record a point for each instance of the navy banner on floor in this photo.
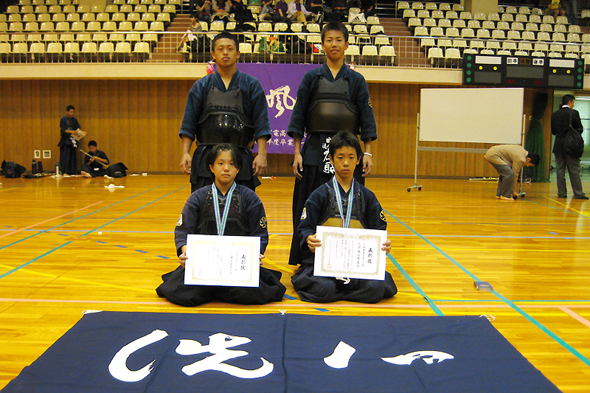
(143, 352)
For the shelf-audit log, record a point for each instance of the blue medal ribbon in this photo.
(222, 220)
(345, 219)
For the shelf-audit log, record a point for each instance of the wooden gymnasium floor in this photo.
(70, 245)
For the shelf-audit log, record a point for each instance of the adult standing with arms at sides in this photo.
(561, 121)
(330, 98)
(67, 144)
(227, 106)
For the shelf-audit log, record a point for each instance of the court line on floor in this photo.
(575, 315)
(75, 219)
(536, 323)
(125, 215)
(51, 219)
(415, 286)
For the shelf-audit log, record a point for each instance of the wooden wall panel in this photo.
(137, 122)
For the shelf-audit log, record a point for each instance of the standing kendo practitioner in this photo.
(330, 98)
(227, 106)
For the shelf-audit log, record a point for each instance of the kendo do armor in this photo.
(331, 216)
(223, 120)
(331, 110)
(236, 222)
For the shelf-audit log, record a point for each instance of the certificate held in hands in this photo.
(222, 260)
(350, 253)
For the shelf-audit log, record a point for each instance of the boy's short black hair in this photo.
(345, 139)
(567, 99)
(535, 158)
(216, 151)
(338, 26)
(92, 143)
(225, 34)
(70, 107)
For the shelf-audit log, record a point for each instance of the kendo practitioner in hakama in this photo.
(330, 98)
(226, 106)
(239, 212)
(341, 202)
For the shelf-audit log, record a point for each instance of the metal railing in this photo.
(255, 47)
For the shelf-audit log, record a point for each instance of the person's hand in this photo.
(367, 164)
(386, 246)
(261, 257)
(185, 163)
(259, 165)
(313, 242)
(298, 165)
(182, 259)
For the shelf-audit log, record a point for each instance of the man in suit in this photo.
(560, 123)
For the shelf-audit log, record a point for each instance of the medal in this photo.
(221, 220)
(345, 219)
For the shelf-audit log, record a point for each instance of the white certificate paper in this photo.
(222, 260)
(350, 253)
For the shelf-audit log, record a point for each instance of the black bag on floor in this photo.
(117, 170)
(12, 170)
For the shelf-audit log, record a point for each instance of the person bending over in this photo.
(508, 160)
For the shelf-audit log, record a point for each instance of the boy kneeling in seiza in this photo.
(341, 202)
(202, 214)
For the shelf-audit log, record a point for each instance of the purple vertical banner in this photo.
(280, 83)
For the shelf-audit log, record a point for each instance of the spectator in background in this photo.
(571, 10)
(297, 12)
(339, 10)
(221, 10)
(561, 122)
(555, 9)
(242, 14)
(204, 11)
(280, 14)
(267, 10)
(368, 7)
(317, 7)
(194, 28)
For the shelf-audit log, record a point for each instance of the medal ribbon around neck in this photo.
(345, 221)
(222, 220)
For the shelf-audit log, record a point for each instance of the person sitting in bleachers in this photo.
(368, 7)
(298, 13)
(242, 14)
(204, 11)
(555, 8)
(221, 10)
(267, 10)
(280, 14)
(339, 11)
(190, 36)
(317, 7)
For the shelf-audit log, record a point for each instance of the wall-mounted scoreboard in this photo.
(523, 71)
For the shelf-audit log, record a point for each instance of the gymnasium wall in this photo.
(137, 122)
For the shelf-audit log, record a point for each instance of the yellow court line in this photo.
(486, 249)
(567, 207)
(267, 260)
(79, 280)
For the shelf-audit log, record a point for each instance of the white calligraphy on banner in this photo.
(218, 347)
